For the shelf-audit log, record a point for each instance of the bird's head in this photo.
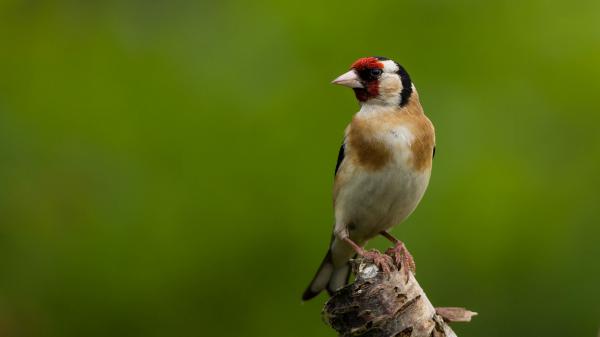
(378, 80)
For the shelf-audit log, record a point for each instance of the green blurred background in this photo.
(166, 166)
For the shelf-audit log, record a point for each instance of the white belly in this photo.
(376, 201)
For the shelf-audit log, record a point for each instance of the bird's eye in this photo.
(376, 72)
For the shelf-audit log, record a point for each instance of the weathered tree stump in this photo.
(380, 304)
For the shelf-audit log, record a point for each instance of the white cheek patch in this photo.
(390, 82)
(390, 87)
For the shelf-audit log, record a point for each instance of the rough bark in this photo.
(380, 304)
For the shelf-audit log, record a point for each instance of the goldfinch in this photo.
(382, 171)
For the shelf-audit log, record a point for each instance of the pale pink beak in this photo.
(349, 79)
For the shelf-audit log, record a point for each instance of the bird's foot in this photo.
(383, 261)
(402, 258)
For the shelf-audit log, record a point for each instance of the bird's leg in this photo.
(381, 260)
(401, 255)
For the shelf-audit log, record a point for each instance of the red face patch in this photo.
(367, 63)
(373, 89)
(362, 66)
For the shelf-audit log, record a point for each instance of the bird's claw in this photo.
(383, 261)
(402, 258)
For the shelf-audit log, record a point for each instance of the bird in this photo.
(382, 171)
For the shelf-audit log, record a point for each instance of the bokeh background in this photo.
(166, 166)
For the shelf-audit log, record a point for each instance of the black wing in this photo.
(433, 156)
(340, 158)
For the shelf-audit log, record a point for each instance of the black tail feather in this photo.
(309, 292)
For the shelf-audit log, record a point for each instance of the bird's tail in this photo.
(327, 277)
